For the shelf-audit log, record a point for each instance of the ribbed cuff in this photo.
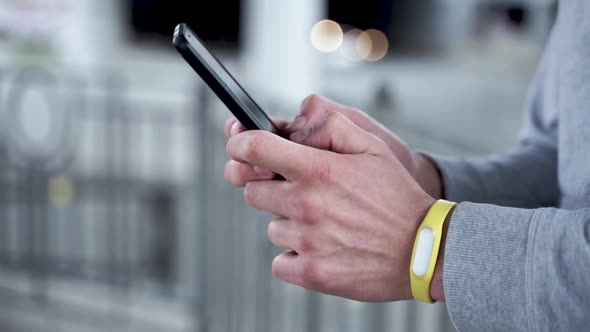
(485, 267)
(457, 186)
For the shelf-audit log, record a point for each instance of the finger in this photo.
(227, 126)
(319, 106)
(273, 196)
(238, 173)
(314, 108)
(339, 134)
(233, 127)
(265, 149)
(286, 266)
(282, 232)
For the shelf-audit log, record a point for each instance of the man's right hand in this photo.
(313, 109)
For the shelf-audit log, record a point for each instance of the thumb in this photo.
(337, 133)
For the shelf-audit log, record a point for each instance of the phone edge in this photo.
(224, 93)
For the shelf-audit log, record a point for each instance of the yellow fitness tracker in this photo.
(426, 248)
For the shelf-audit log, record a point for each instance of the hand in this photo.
(313, 109)
(349, 215)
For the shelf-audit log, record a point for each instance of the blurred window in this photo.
(217, 21)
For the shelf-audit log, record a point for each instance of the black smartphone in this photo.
(231, 93)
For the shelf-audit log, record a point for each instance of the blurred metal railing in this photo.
(123, 206)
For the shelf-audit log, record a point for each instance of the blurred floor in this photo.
(78, 305)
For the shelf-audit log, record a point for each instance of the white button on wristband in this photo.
(426, 248)
(424, 245)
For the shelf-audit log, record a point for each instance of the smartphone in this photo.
(225, 86)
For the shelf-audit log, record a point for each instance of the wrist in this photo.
(436, 286)
(427, 175)
(427, 260)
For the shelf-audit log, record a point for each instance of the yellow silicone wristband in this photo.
(432, 224)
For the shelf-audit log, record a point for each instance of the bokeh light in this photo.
(379, 45)
(326, 36)
(363, 45)
(349, 45)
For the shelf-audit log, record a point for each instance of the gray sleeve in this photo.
(510, 269)
(525, 177)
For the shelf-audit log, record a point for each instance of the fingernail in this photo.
(234, 128)
(297, 124)
(263, 171)
(301, 135)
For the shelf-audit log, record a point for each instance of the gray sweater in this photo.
(518, 247)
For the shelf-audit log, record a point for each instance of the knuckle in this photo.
(357, 114)
(322, 171)
(362, 119)
(253, 147)
(333, 121)
(312, 101)
(330, 120)
(304, 207)
(312, 274)
(382, 146)
(228, 123)
(233, 174)
(228, 148)
(271, 231)
(251, 193)
(228, 173)
(276, 268)
(306, 244)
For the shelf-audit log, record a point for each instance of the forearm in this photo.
(508, 179)
(516, 269)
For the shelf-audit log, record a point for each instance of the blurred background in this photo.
(114, 215)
